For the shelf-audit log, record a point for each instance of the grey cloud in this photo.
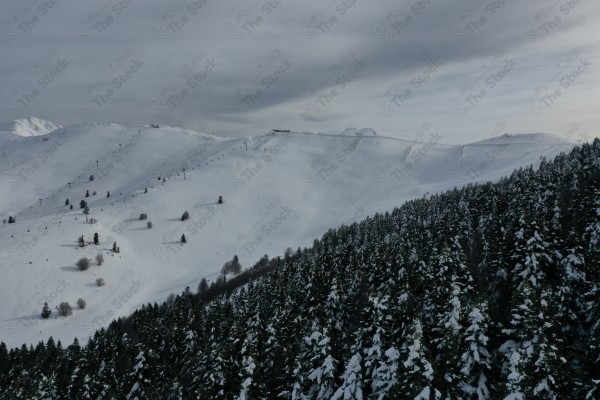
(324, 87)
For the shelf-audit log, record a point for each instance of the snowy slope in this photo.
(279, 190)
(31, 130)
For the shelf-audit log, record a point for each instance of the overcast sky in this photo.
(470, 68)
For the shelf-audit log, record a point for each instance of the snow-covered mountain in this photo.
(280, 189)
(30, 126)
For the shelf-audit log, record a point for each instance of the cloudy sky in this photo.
(469, 68)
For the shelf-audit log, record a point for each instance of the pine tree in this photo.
(236, 267)
(476, 359)
(203, 285)
(417, 380)
(318, 355)
(46, 311)
(183, 239)
(137, 390)
(96, 238)
(351, 387)
(514, 379)
(248, 367)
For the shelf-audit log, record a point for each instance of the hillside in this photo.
(280, 190)
(487, 291)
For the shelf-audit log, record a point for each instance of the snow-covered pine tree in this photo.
(140, 378)
(351, 387)
(476, 360)
(323, 374)
(416, 380)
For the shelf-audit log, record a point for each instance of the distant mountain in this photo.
(30, 126)
(525, 138)
(279, 190)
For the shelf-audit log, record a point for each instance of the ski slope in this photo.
(280, 190)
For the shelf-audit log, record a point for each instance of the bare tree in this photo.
(65, 309)
(232, 266)
(99, 258)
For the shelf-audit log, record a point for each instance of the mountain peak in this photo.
(30, 126)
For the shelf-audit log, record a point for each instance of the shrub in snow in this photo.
(81, 303)
(149, 224)
(100, 282)
(83, 263)
(65, 309)
(12, 220)
(186, 215)
(143, 216)
(92, 178)
(99, 258)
